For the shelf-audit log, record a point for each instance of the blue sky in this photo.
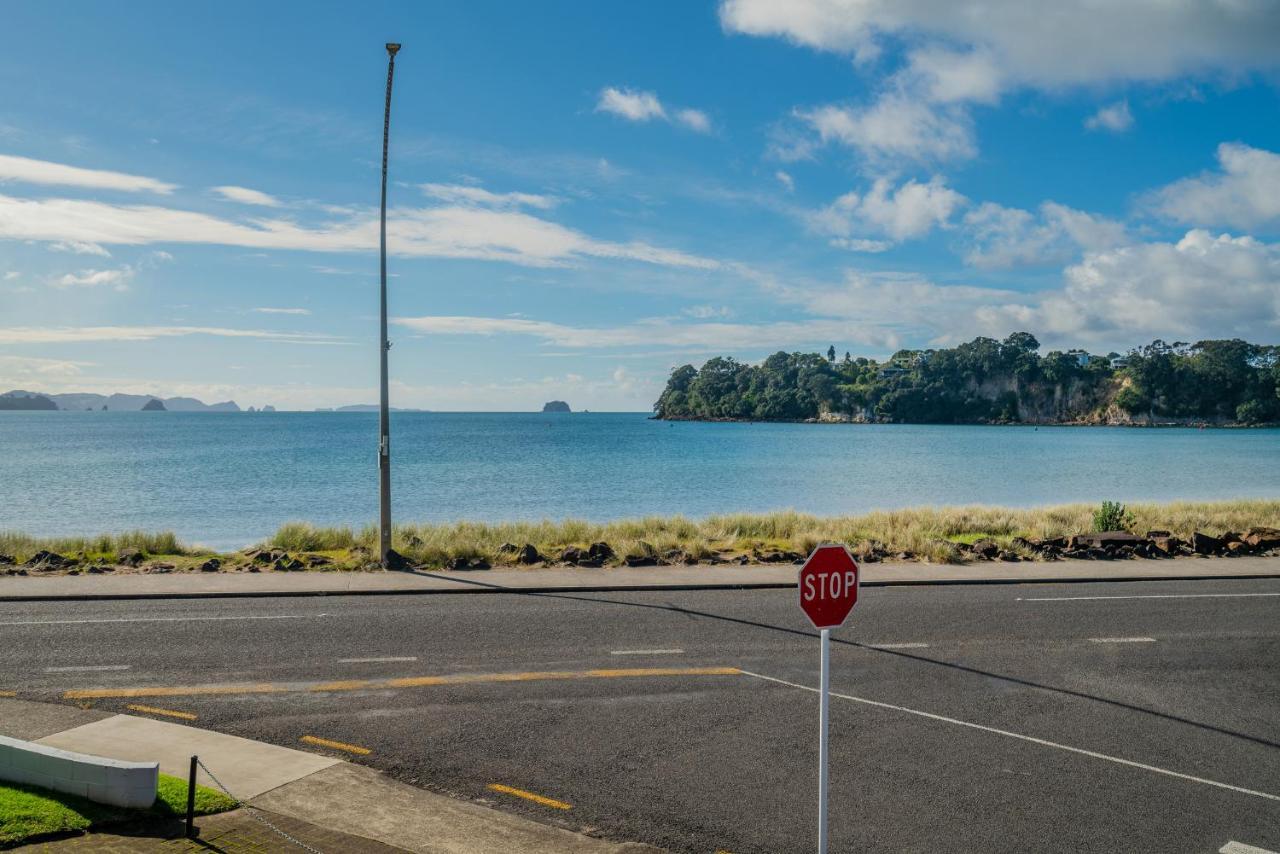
(587, 194)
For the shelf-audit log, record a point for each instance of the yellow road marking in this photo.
(530, 796)
(169, 713)
(406, 682)
(178, 691)
(336, 745)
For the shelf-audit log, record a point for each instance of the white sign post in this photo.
(828, 585)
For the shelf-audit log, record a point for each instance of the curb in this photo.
(478, 587)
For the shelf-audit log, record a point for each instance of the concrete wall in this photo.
(107, 781)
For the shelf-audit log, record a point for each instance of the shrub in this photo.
(1112, 516)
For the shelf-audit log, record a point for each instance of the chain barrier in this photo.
(253, 811)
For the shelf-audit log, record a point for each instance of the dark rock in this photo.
(508, 549)
(1166, 545)
(1151, 535)
(211, 565)
(1262, 538)
(743, 560)
(1008, 556)
(1231, 537)
(589, 562)
(572, 554)
(601, 551)
(466, 564)
(528, 554)
(641, 560)
(160, 568)
(130, 557)
(397, 562)
(48, 560)
(477, 563)
(1022, 543)
(262, 557)
(1237, 547)
(319, 560)
(254, 568)
(1203, 544)
(988, 549)
(1112, 539)
(7, 560)
(287, 564)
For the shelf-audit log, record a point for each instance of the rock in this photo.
(508, 549)
(211, 565)
(528, 554)
(988, 549)
(572, 554)
(601, 551)
(1112, 539)
(319, 560)
(287, 564)
(48, 560)
(1237, 547)
(7, 560)
(160, 568)
(1203, 544)
(397, 562)
(1008, 556)
(640, 560)
(254, 568)
(1152, 535)
(1230, 537)
(477, 563)
(130, 557)
(467, 563)
(1166, 545)
(742, 560)
(1262, 538)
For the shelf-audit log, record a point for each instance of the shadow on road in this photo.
(922, 659)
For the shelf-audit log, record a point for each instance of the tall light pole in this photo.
(384, 415)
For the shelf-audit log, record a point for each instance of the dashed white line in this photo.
(159, 620)
(1122, 640)
(1234, 847)
(1151, 596)
(382, 660)
(647, 652)
(1032, 739)
(85, 668)
(896, 645)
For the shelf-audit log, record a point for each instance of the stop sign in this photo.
(828, 586)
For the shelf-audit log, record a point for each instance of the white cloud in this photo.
(443, 232)
(1113, 117)
(1245, 194)
(1033, 44)
(282, 310)
(695, 120)
(1200, 287)
(895, 126)
(15, 369)
(862, 244)
(246, 196)
(81, 334)
(706, 312)
(639, 106)
(464, 194)
(785, 180)
(11, 275)
(80, 248)
(92, 278)
(1002, 237)
(691, 337)
(31, 171)
(911, 210)
(950, 76)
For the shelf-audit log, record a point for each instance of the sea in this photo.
(226, 480)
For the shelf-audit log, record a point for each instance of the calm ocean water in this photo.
(226, 479)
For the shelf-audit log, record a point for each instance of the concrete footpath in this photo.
(568, 580)
(323, 802)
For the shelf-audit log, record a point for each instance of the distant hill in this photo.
(16, 400)
(80, 401)
(556, 406)
(153, 405)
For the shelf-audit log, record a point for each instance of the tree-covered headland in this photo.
(988, 381)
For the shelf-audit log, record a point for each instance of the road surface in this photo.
(1137, 717)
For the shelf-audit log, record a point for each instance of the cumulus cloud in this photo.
(442, 232)
(80, 248)
(246, 196)
(465, 194)
(785, 180)
(1244, 194)
(1002, 237)
(895, 126)
(1203, 286)
(93, 278)
(908, 211)
(639, 106)
(1114, 117)
(1067, 44)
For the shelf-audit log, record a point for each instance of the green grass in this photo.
(22, 546)
(30, 811)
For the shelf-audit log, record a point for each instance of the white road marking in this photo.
(1240, 848)
(86, 668)
(647, 652)
(1032, 739)
(159, 620)
(897, 645)
(1151, 596)
(377, 660)
(1122, 640)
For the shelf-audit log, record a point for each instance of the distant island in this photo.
(984, 381)
(556, 406)
(81, 401)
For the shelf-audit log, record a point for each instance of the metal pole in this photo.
(384, 419)
(823, 719)
(192, 830)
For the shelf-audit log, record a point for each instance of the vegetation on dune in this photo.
(108, 546)
(989, 381)
(28, 812)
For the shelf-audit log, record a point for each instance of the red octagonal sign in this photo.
(828, 586)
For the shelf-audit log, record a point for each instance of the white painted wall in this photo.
(106, 781)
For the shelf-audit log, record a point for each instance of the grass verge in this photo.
(27, 812)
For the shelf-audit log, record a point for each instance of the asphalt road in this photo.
(1136, 717)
